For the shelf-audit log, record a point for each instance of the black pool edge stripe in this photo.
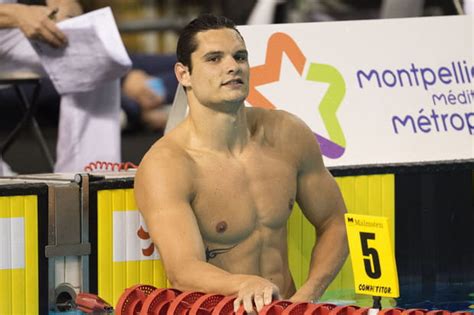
(93, 231)
(403, 168)
(111, 183)
(21, 189)
(43, 276)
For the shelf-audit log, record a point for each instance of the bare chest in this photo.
(236, 198)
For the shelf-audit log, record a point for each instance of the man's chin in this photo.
(237, 99)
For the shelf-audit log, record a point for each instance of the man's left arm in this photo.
(320, 199)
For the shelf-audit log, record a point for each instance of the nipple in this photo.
(221, 227)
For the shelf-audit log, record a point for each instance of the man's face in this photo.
(220, 69)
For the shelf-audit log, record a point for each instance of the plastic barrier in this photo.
(132, 300)
(414, 311)
(295, 309)
(319, 309)
(361, 311)
(344, 310)
(225, 306)
(438, 312)
(205, 304)
(147, 300)
(183, 302)
(391, 311)
(275, 308)
(159, 301)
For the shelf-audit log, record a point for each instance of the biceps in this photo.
(176, 234)
(319, 197)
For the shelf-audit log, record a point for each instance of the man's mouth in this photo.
(234, 82)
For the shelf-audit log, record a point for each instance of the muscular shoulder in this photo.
(165, 171)
(282, 129)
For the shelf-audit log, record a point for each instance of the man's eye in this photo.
(241, 58)
(213, 59)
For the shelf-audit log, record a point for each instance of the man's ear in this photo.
(182, 74)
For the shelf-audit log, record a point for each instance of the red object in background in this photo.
(391, 311)
(131, 301)
(319, 309)
(183, 302)
(90, 303)
(275, 308)
(461, 313)
(158, 301)
(205, 304)
(109, 166)
(225, 306)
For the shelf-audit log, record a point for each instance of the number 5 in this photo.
(372, 256)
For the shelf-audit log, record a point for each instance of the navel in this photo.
(291, 203)
(221, 227)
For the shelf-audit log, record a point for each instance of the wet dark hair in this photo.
(187, 43)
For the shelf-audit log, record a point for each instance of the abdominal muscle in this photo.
(264, 253)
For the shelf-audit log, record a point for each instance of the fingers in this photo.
(248, 303)
(35, 23)
(268, 295)
(259, 302)
(53, 34)
(257, 299)
(237, 303)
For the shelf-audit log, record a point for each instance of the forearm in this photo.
(204, 277)
(329, 254)
(7, 15)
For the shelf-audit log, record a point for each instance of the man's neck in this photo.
(223, 131)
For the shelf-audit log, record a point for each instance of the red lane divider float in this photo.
(391, 311)
(345, 310)
(183, 302)
(225, 306)
(295, 309)
(157, 303)
(361, 311)
(148, 300)
(275, 308)
(205, 304)
(438, 312)
(319, 309)
(414, 311)
(131, 301)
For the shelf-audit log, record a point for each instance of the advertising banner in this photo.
(19, 278)
(374, 92)
(131, 239)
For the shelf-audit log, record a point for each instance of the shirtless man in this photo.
(217, 191)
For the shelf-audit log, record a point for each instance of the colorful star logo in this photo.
(269, 72)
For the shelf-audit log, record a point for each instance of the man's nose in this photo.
(232, 65)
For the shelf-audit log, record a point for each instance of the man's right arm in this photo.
(34, 21)
(164, 192)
